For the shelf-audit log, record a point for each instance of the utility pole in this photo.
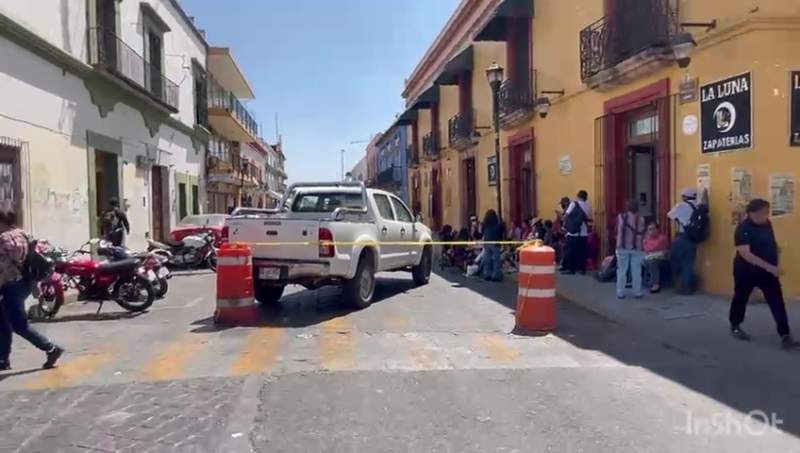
(342, 164)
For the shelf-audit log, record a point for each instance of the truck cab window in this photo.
(384, 207)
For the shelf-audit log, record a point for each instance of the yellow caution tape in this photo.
(537, 243)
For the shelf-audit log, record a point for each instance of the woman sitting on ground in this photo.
(656, 252)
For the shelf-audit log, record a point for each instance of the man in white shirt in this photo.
(576, 219)
(684, 251)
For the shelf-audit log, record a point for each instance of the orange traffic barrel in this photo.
(536, 300)
(236, 304)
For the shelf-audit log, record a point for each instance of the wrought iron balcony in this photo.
(430, 147)
(390, 177)
(517, 99)
(460, 130)
(220, 98)
(411, 157)
(635, 27)
(118, 58)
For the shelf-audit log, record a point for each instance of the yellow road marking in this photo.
(171, 363)
(70, 371)
(424, 358)
(498, 348)
(338, 345)
(263, 347)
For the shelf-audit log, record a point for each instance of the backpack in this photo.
(699, 224)
(608, 269)
(575, 219)
(35, 267)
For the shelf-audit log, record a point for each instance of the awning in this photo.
(427, 98)
(495, 29)
(459, 64)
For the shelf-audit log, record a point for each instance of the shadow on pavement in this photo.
(8, 374)
(112, 316)
(703, 358)
(310, 307)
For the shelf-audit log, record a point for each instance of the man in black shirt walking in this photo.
(756, 266)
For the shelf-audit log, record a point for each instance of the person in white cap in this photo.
(684, 250)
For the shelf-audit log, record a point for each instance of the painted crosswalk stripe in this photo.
(262, 348)
(498, 348)
(171, 363)
(338, 345)
(71, 371)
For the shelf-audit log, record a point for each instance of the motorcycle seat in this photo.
(166, 245)
(119, 266)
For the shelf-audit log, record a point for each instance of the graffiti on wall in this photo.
(74, 202)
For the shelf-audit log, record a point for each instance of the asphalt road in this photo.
(424, 369)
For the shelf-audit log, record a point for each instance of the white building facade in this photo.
(359, 171)
(102, 99)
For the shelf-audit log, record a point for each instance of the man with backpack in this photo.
(115, 223)
(692, 223)
(17, 277)
(576, 222)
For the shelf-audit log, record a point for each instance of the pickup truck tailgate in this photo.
(275, 238)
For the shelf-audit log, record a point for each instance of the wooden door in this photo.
(471, 189)
(157, 204)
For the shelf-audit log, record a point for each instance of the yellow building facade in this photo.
(597, 98)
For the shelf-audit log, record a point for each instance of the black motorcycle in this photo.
(155, 262)
(194, 251)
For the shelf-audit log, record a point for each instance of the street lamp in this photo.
(683, 46)
(494, 74)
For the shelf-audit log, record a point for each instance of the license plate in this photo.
(151, 276)
(269, 273)
(163, 272)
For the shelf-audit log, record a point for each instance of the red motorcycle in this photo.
(127, 282)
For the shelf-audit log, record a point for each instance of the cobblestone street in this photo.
(423, 369)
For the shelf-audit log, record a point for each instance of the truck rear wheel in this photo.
(360, 289)
(422, 271)
(268, 294)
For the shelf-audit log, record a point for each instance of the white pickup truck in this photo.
(333, 233)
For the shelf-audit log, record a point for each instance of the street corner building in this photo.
(623, 98)
(102, 99)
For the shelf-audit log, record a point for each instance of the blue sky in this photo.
(332, 69)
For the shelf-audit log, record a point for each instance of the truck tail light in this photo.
(326, 247)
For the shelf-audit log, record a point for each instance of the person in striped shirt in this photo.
(630, 251)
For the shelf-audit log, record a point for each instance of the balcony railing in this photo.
(218, 97)
(460, 130)
(634, 27)
(517, 99)
(430, 147)
(118, 58)
(411, 157)
(390, 177)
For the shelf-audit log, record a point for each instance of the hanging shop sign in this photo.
(688, 91)
(794, 100)
(726, 114)
(491, 166)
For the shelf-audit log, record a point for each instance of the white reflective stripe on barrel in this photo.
(235, 303)
(537, 293)
(233, 260)
(537, 270)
